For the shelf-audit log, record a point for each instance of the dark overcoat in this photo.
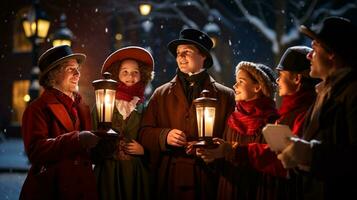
(178, 175)
(333, 170)
(60, 166)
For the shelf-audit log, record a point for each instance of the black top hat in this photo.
(294, 59)
(196, 37)
(336, 34)
(55, 56)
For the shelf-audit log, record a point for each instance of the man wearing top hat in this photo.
(327, 152)
(55, 132)
(169, 124)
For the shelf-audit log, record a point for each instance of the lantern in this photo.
(105, 90)
(205, 113)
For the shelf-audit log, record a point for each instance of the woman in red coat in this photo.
(55, 132)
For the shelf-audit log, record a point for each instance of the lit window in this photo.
(20, 98)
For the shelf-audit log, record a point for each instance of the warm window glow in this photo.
(20, 95)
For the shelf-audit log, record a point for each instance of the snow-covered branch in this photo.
(261, 26)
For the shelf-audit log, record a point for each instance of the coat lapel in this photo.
(60, 112)
(177, 90)
(84, 117)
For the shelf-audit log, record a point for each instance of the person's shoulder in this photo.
(165, 87)
(224, 89)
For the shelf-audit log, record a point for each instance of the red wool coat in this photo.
(60, 166)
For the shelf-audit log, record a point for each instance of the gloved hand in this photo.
(297, 154)
(209, 155)
(87, 139)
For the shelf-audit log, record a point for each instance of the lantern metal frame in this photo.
(104, 128)
(204, 101)
(36, 25)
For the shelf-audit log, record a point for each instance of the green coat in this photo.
(119, 175)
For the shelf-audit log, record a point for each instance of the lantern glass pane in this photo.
(199, 115)
(28, 28)
(205, 120)
(61, 42)
(105, 104)
(209, 115)
(43, 26)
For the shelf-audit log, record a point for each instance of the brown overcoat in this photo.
(178, 175)
(60, 166)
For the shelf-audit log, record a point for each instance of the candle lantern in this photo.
(205, 113)
(105, 90)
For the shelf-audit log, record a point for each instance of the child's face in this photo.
(246, 89)
(129, 72)
(287, 83)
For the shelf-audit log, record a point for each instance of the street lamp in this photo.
(205, 113)
(63, 35)
(36, 25)
(105, 90)
(145, 8)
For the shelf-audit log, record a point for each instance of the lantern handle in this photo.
(107, 75)
(204, 93)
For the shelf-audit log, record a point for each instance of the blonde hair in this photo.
(260, 73)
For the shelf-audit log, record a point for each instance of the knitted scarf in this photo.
(250, 116)
(127, 93)
(294, 105)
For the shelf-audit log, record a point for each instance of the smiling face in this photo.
(189, 59)
(129, 72)
(68, 76)
(246, 88)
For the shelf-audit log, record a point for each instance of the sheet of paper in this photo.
(277, 136)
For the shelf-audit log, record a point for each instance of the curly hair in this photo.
(146, 75)
(50, 79)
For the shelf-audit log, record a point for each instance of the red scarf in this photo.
(127, 93)
(300, 100)
(250, 116)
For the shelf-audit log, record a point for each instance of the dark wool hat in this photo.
(294, 59)
(336, 34)
(196, 37)
(55, 56)
(263, 74)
